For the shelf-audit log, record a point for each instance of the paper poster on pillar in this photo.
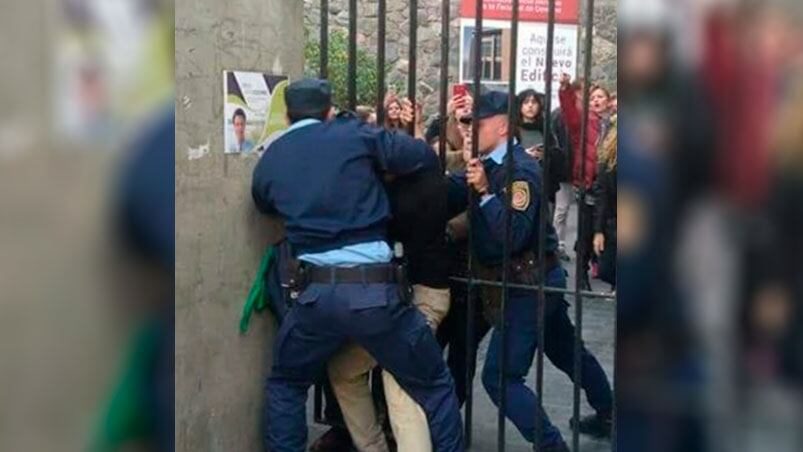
(254, 110)
(531, 60)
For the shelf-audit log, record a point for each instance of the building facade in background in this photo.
(532, 34)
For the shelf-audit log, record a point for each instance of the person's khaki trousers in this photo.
(348, 373)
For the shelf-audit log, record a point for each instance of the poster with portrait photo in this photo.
(254, 110)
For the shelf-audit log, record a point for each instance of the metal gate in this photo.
(471, 281)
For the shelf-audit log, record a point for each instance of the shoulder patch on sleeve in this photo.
(521, 195)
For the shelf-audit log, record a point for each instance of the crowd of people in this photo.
(567, 174)
(375, 229)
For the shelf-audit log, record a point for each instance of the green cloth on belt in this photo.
(258, 297)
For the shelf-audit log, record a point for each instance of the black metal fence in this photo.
(471, 281)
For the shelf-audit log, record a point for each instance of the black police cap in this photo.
(491, 104)
(308, 95)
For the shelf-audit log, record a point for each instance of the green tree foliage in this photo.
(338, 69)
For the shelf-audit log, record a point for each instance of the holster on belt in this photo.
(522, 270)
(291, 274)
(403, 283)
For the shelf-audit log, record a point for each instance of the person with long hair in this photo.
(604, 241)
(393, 112)
(400, 113)
(584, 157)
(531, 119)
(530, 132)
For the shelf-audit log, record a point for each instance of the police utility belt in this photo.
(302, 275)
(522, 270)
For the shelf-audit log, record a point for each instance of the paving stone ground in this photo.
(598, 334)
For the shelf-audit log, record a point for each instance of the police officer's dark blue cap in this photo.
(491, 104)
(309, 95)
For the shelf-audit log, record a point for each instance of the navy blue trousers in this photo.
(522, 340)
(392, 331)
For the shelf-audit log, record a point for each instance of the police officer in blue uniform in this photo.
(323, 176)
(277, 282)
(486, 175)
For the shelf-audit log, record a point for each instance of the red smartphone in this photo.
(459, 90)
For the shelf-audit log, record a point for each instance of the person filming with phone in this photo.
(530, 132)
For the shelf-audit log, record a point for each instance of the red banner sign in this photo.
(566, 11)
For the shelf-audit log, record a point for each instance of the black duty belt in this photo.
(365, 274)
(530, 260)
(523, 269)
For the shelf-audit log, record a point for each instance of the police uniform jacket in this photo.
(325, 180)
(488, 228)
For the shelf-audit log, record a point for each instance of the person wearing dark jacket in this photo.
(335, 211)
(277, 277)
(604, 242)
(584, 159)
(565, 195)
(530, 108)
(452, 331)
(416, 228)
(486, 176)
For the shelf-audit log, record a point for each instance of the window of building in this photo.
(492, 56)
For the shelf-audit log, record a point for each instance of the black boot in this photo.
(585, 284)
(596, 425)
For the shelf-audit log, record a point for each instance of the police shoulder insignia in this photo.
(521, 195)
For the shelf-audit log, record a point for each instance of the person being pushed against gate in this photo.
(486, 175)
(321, 176)
(419, 216)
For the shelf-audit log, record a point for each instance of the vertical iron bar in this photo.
(506, 249)
(411, 73)
(444, 80)
(323, 73)
(613, 413)
(380, 63)
(352, 71)
(580, 264)
(323, 66)
(471, 209)
(542, 221)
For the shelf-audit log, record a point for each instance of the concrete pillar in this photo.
(219, 235)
